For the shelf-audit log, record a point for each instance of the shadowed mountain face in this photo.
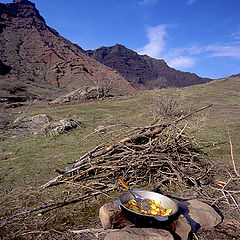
(37, 60)
(142, 71)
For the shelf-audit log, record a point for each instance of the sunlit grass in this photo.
(30, 160)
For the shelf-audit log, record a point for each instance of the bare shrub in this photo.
(198, 122)
(166, 105)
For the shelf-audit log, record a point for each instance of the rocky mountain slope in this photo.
(142, 71)
(37, 62)
(235, 76)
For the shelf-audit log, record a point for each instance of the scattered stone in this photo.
(199, 214)
(80, 94)
(42, 123)
(111, 216)
(60, 127)
(140, 234)
(194, 214)
(222, 231)
(181, 227)
(100, 129)
(32, 123)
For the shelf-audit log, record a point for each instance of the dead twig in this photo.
(93, 230)
(36, 232)
(57, 204)
(231, 149)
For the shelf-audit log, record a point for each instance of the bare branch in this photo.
(231, 149)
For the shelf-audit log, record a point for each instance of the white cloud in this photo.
(190, 2)
(181, 58)
(231, 49)
(148, 2)
(181, 62)
(156, 48)
(156, 42)
(223, 51)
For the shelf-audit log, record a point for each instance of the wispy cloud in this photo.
(148, 2)
(223, 51)
(190, 2)
(156, 48)
(156, 43)
(181, 58)
(186, 57)
(236, 35)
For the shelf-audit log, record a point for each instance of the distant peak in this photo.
(23, 8)
(117, 45)
(21, 1)
(24, 2)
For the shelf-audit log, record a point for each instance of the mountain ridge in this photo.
(142, 71)
(39, 60)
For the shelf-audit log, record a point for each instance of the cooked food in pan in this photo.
(156, 208)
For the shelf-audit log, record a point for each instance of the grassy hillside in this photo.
(225, 97)
(29, 160)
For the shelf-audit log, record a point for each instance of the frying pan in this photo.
(166, 202)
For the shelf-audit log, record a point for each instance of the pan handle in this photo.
(161, 218)
(123, 183)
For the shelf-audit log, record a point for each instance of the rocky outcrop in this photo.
(80, 94)
(235, 76)
(142, 71)
(32, 123)
(43, 123)
(62, 126)
(36, 57)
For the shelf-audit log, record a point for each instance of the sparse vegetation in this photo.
(166, 105)
(27, 160)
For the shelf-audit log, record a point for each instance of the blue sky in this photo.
(200, 36)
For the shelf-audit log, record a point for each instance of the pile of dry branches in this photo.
(157, 155)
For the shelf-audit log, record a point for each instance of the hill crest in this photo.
(142, 71)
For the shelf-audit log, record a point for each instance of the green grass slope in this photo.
(29, 160)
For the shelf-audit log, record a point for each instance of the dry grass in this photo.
(28, 161)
